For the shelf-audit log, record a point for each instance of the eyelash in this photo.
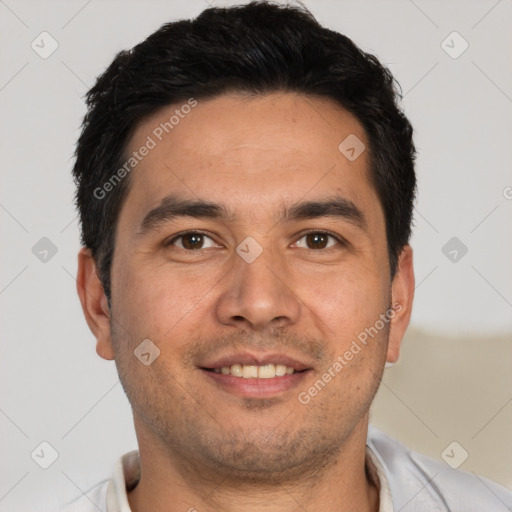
(341, 241)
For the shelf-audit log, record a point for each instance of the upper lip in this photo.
(246, 358)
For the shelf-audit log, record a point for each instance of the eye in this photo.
(191, 241)
(318, 240)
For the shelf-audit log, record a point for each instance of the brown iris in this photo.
(192, 241)
(317, 240)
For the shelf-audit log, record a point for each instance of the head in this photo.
(280, 145)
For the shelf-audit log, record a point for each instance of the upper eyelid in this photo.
(322, 231)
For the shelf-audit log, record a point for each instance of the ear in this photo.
(402, 295)
(94, 303)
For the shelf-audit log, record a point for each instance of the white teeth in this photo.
(236, 370)
(267, 372)
(249, 371)
(280, 370)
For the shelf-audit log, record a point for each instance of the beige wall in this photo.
(452, 389)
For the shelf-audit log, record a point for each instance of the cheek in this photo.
(158, 301)
(347, 302)
(349, 306)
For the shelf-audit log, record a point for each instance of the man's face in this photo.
(260, 282)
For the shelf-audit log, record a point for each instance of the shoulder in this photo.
(420, 483)
(94, 500)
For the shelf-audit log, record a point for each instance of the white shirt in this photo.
(407, 482)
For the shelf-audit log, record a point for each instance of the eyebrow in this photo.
(172, 207)
(336, 207)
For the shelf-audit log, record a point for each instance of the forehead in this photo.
(250, 153)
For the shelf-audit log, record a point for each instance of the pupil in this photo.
(192, 241)
(317, 239)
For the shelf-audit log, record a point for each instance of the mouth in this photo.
(256, 376)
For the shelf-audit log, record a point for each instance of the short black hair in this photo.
(257, 48)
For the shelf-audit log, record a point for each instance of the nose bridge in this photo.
(258, 291)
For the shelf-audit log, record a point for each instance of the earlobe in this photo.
(94, 303)
(402, 295)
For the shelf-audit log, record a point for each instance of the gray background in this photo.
(453, 380)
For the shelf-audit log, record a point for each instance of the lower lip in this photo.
(256, 388)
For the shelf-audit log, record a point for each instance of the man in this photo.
(245, 186)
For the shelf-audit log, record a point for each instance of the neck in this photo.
(168, 483)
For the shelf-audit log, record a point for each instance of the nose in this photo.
(258, 295)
